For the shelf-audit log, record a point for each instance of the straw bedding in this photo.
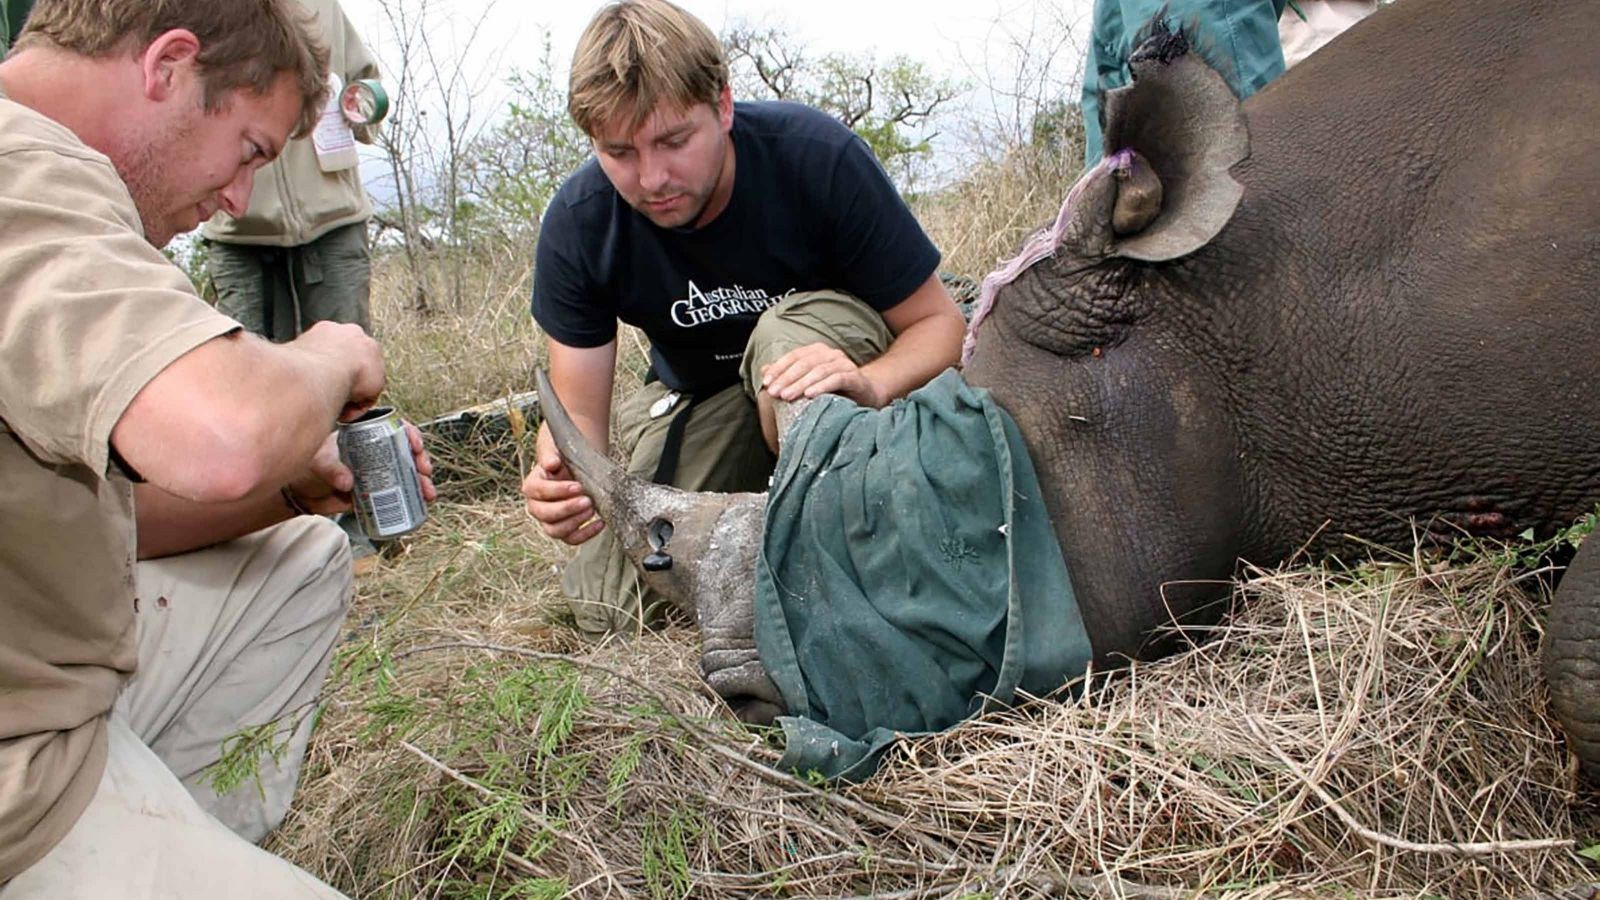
(1373, 732)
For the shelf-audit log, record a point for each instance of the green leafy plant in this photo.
(666, 854)
(1528, 551)
(242, 754)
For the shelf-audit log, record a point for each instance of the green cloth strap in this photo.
(909, 576)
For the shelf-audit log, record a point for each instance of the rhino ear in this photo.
(1180, 125)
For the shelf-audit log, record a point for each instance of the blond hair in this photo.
(243, 43)
(638, 53)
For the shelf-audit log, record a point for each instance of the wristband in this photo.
(294, 503)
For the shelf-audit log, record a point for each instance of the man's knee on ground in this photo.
(828, 317)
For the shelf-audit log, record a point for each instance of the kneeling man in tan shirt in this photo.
(158, 591)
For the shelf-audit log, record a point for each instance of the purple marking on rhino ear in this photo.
(1043, 243)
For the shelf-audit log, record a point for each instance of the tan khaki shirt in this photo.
(89, 314)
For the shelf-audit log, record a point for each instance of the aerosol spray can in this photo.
(388, 492)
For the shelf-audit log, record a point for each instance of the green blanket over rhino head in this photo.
(909, 576)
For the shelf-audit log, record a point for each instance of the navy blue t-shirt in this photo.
(811, 209)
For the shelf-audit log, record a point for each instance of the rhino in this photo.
(1363, 300)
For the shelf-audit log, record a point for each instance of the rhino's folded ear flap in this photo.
(1177, 130)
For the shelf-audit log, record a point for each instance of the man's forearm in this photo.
(168, 524)
(596, 429)
(582, 378)
(924, 349)
(235, 416)
(324, 379)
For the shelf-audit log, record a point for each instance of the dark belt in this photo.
(672, 448)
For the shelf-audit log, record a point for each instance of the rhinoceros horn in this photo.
(699, 550)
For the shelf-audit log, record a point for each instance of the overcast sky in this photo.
(976, 43)
(936, 31)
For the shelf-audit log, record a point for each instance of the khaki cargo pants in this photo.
(279, 292)
(229, 637)
(722, 448)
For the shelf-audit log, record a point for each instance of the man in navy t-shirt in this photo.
(759, 246)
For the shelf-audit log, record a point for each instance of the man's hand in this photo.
(325, 488)
(557, 501)
(817, 369)
(350, 344)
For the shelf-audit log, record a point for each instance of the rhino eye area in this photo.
(1078, 314)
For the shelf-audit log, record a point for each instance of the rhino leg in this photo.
(1572, 655)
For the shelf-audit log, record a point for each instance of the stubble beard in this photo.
(699, 201)
(145, 166)
(687, 220)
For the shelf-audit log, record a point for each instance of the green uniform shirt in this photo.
(1240, 37)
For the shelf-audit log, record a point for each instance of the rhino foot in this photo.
(1572, 655)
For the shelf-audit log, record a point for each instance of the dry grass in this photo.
(1380, 732)
(1376, 733)
(464, 350)
(986, 217)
